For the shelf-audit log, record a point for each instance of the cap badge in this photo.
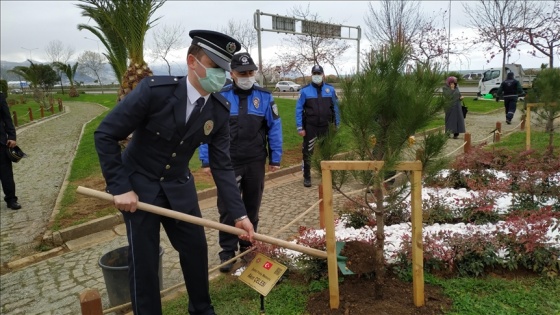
(208, 126)
(230, 47)
(245, 60)
(256, 102)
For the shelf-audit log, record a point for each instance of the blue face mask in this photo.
(214, 80)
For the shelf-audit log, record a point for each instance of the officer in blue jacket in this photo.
(510, 90)
(171, 117)
(316, 109)
(255, 133)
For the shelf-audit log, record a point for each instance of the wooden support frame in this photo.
(417, 242)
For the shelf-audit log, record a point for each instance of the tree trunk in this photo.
(134, 74)
(379, 241)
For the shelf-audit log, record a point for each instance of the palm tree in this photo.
(122, 27)
(70, 72)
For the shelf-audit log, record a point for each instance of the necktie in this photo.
(195, 113)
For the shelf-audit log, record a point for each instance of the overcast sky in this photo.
(28, 26)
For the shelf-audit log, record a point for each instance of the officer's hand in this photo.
(497, 99)
(207, 171)
(126, 202)
(273, 168)
(246, 225)
(11, 143)
(461, 97)
(301, 133)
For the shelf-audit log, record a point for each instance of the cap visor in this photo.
(246, 68)
(218, 60)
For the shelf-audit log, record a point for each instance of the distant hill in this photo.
(107, 74)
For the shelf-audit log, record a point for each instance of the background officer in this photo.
(170, 118)
(7, 140)
(509, 90)
(316, 109)
(255, 133)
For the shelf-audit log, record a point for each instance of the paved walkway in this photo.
(52, 286)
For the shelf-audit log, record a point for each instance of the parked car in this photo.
(284, 86)
(16, 91)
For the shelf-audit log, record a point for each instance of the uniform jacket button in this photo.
(181, 142)
(161, 179)
(167, 167)
(174, 155)
(157, 133)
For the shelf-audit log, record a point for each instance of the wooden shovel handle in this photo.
(206, 223)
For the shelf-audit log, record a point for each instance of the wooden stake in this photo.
(330, 238)
(90, 302)
(417, 243)
(467, 147)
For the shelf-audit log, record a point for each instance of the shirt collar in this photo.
(193, 94)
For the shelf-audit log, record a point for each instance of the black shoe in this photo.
(14, 205)
(508, 122)
(227, 267)
(307, 182)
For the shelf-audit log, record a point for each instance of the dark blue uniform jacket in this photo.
(255, 128)
(158, 155)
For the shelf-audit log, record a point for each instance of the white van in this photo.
(492, 79)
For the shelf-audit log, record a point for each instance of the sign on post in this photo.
(282, 23)
(262, 274)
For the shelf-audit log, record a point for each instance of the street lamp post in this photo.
(96, 41)
(30, 50)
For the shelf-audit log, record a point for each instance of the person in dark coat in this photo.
(255, 134)
(171, 117)
(454, 119)
(7, 140)
(316, 110)
(510, 90)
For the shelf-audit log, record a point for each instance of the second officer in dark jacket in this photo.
(255, 133)
(316, 109)
(171, 117)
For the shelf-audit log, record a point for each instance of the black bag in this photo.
(465, 109)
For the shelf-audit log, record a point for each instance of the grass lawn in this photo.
(471, 296)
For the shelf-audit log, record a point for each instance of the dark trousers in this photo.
(312, 133)
(510, 104)
(188, 239)
(250, 180)
(7, 176)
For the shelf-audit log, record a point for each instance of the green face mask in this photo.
(215, 78)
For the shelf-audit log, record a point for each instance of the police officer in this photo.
(171, 117)
(316, 109)
(255, 133)
(509, 90)
(7, 140)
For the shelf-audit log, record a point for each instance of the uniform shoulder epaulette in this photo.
(260, 88)
(158, 80)
(222, 100)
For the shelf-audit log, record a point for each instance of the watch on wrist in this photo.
(240, 219)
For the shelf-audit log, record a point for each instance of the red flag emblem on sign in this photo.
(267, 265)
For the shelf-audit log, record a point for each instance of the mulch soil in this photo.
(357, 291)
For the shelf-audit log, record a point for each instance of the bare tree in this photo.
(244, 32)
(315, 47)
(57, 52)
(497, 23)
(542, 31)
(91, 63)
(167, 39)
(396, 21)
